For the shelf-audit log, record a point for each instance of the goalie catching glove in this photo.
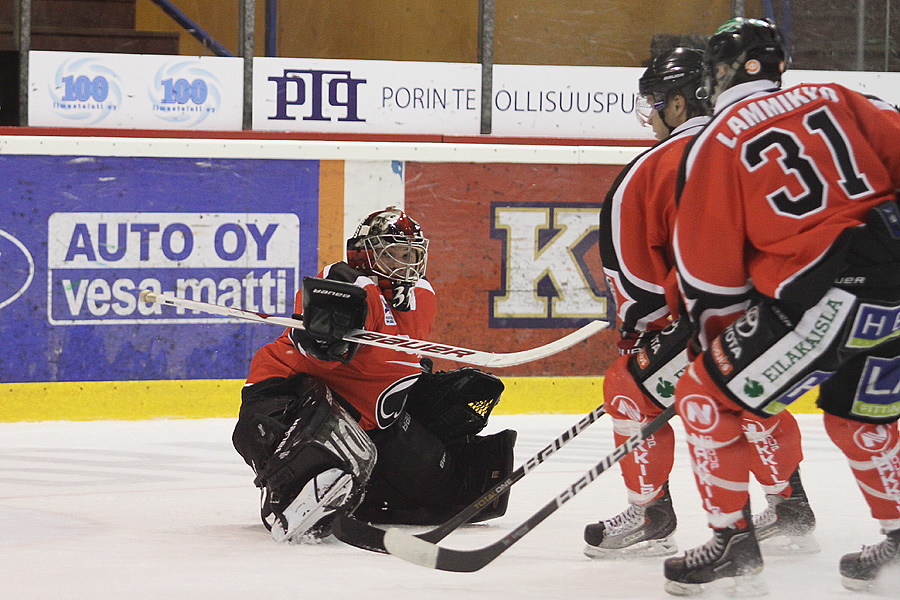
(456, 403)
(330, 310)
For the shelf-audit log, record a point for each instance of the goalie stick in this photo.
(418, 551)
(362, 535)
(394, 342)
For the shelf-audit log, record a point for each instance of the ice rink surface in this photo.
(167, 510)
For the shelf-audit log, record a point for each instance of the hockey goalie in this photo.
(330, 426)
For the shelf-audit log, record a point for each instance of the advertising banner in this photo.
(366, 96)
(80, 237)
(135, 91)
(883, 85)
(566, 102)
(514, 258)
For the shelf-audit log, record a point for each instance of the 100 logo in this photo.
(83, 88)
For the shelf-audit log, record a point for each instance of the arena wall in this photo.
(91, 217)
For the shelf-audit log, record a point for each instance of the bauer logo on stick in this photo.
(402, 342)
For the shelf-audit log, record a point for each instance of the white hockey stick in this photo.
(394, 342)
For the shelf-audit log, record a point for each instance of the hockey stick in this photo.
(418, 551)
(394, 342)
(362, 535)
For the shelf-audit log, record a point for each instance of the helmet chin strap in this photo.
(725, 82)
(662, 117)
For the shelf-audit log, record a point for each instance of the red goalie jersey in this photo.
(370, 378)
(770, 184)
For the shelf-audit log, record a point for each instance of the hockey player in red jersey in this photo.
(637, 224)
(787, 245)
(329, 425)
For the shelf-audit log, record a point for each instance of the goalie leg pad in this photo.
(320, 444)
(414, 475)
(421, 481)
(487, 460)
(309, 515)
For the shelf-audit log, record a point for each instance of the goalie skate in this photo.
(308, 517)
(639, 531)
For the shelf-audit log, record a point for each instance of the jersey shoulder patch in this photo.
(388, 315)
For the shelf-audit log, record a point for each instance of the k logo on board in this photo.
(547, 279)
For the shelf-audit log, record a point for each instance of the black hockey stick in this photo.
(426, 554)
(362, 535)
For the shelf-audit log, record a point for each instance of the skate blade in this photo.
(787, 545)
(885, 585)
(646, 549)
(744, 586)
(857, 585)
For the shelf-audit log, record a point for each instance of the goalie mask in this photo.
(389, 245)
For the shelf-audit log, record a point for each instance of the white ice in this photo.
(167, 510)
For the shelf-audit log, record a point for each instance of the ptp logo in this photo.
(322, 92)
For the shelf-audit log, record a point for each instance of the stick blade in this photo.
(420, 552)
(356, 533)
(410, 548)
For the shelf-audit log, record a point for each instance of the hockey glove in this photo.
(330, 310)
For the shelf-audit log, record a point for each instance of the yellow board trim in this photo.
(119, 400)
(576, 395)
(221, 398)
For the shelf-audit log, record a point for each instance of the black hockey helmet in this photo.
(390, 245)
(743, 50)
(677, 71)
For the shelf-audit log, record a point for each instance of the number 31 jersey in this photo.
(770, 184)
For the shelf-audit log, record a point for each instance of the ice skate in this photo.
(307, 518)
(786, 525)
(638, 531)
(860, 571)
(732, 554)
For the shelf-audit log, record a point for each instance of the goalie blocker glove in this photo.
(330, 310)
